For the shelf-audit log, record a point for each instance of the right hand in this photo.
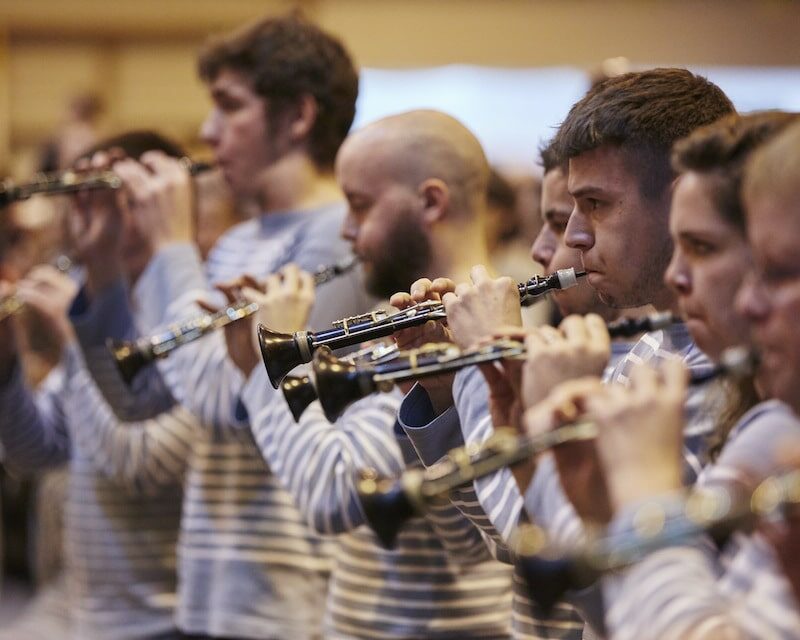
(580, 347)
(578, 463)
(95, 225)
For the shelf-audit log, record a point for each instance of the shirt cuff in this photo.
(432, 436)
(108, 315)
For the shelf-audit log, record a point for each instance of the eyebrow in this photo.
(586, 191)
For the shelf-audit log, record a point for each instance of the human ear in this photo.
(303, 116)
(435, 200)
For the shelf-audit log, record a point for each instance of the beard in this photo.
(405, 258)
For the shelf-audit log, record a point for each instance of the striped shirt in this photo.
(119, 543)
(437, 582)
(693, 587)
(248, 565)
(434, 436)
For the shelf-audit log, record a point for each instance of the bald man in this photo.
(415, 184)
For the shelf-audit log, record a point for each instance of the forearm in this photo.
(33, 430)
(144, 456)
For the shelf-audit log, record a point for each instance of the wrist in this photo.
(630, 485)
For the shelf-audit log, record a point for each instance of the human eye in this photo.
(700, 248)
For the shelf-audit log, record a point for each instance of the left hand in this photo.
(475, 311)
(49, 292)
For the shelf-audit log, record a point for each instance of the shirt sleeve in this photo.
(318, 462)
(33, 430)
(685, 591)
(433, 437)
(108, 316)
(144, 456)
(199, 375)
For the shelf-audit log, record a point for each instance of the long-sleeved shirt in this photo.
(437, 582)
(249, 566)
(119, 542)
(693, 586)
(496, 504)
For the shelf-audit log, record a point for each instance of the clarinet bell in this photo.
(299, 393)
(339, 383)
(280, 353)
(129, 359)
(387, 506)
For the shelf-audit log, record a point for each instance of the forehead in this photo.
(554, 186)
(233, 83)
(773, 226)
(693, 205)
(603, 169)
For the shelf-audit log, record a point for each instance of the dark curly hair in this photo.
(285, 58)
(643, 113)
(720, 150)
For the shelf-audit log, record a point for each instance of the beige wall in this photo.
(139, 54)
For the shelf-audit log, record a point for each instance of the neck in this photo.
(456, 249)
(295, 183)
(665, 300)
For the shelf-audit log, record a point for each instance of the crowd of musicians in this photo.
(199, 504)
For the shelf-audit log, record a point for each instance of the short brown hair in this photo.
(775, 168)
(720, 150)
(285, 58)
(644, 113)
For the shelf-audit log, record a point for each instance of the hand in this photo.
(286, 300)
(475, 311)
(640, 439)
(438, 388)
(160, 198)
(95, 225)
(239, 334)
(49, 292)
(785, 536)
(578, 464)
(579, 347)
(8, 337)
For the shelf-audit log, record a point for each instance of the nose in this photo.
(349, 230)
(209, 130)
(678, 276)
(579, 233)
(752, 301)
(543, 247)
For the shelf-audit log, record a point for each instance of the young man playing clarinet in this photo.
(617, 141)
(410, 213)
(284, 97)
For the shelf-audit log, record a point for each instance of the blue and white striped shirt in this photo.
(692, 586)
(437, 582)
(249, 566)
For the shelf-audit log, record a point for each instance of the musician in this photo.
(617, 140)
(284, 94)
(679, 589)
(120, 536)
(410, 212)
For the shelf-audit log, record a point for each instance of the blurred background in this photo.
(509, 68)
